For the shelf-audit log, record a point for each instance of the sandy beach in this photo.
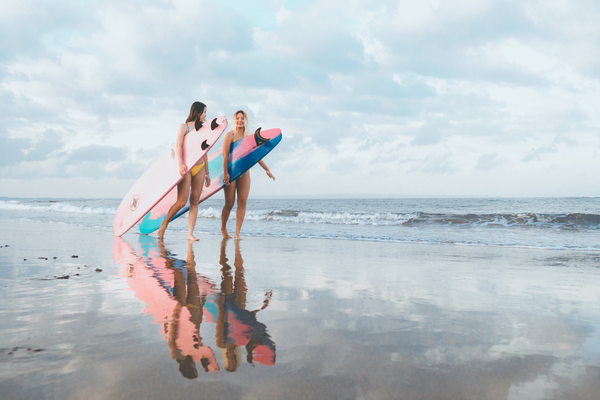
(88, 316)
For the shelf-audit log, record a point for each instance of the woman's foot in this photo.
(161, 231)
(192, 238)
(225, 234)
(237, 237)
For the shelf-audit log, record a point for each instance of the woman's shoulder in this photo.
(185, 127)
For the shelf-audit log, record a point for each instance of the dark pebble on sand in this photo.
(54, 258)
(98, 270)
(6, 245)
(62, 277)
(42, 258)
(74, 256)
(24, 259)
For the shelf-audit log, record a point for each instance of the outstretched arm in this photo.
(207, 174)
(268, 296)
(262, 164)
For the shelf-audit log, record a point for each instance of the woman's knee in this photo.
(241, 203)
(180, 204)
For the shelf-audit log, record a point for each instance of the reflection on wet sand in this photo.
(180, 299)
(237, 326)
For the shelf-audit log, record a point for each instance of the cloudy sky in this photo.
(378, 98)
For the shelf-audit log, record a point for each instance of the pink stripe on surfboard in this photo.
(163, 175)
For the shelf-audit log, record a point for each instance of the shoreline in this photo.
(173, 228)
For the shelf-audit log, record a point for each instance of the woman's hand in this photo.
(226, 178)
(182, 169)
(269, 174)
(207, 180)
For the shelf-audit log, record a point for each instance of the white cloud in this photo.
(410, 90)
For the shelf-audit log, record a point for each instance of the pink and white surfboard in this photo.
(163, 175)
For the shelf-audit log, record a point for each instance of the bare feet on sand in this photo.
(161, 232)
(192, 238)
(225, 234)
(237, 237)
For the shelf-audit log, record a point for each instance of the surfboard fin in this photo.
(214, 124)
(258, 138)
(204, 145)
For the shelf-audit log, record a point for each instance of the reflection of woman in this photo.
(176, 297)
(237, 326)
(184, 340)
(241, 185)
(194, 178)
(179, 300)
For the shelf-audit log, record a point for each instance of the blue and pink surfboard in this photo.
(244, 154)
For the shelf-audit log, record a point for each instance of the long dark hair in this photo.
(196, 111)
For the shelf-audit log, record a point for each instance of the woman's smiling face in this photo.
(239, 120)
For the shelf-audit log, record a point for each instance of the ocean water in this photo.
(547, 223)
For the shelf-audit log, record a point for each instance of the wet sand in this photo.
(275, 318)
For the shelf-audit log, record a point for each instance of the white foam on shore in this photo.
(56, 207)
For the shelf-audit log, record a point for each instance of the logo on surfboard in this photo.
(135, 202)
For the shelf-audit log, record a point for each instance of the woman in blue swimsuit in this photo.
(196, 177)
(241, 185)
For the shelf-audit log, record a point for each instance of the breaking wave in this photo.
(55, 206)
(554, 221)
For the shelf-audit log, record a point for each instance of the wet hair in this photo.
(196, 111)
(234, 126)
(205, 362)
(187, 367)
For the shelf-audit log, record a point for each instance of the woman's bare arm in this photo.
(179, 148)
(226, 147)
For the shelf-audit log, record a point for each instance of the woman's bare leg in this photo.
(229, 191)
(197, 185)
(183, 189)
(243, 189)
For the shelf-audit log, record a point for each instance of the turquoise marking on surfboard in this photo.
(235, 168)
(215, 167)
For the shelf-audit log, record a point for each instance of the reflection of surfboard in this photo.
(163, 175)
(243, 155)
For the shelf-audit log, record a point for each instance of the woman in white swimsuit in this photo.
(196, 177)
(241, 185)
